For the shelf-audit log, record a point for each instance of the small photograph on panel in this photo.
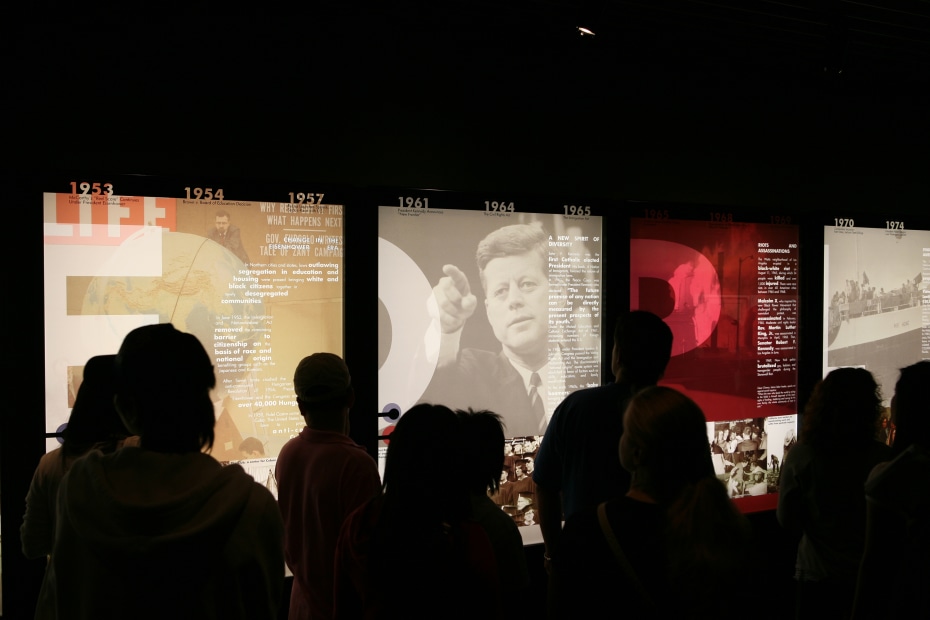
(747, 453)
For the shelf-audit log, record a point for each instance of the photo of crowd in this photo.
(742, 458)
(517, 493)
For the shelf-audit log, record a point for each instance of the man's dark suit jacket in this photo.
(484, 380)
(232, 241)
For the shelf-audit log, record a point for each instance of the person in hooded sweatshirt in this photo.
(162, 530)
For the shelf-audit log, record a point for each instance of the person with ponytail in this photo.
(667, 546)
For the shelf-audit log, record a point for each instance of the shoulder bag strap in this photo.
(619, 555)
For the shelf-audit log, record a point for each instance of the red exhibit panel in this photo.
(729, 292)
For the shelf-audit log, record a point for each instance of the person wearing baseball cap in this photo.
(322, 476)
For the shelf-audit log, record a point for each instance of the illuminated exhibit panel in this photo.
(455, 334)
(258, 283)
(729, 292)
(875, 298)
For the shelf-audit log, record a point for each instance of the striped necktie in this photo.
(536, 400)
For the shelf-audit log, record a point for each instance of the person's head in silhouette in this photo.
(163, 379)
(843, 410)
(661, 423)
(324, 392)
(642, 348)
(483, 436)
(414, 486)
(94, 421)
(909, 407)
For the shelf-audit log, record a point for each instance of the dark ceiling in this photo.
(375, 84)
(864, 38)
(871, 40)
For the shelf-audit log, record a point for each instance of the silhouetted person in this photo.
(483, 435)
(93, 424)
(414, 552)
(674, 544)
(322, 477)
(821, 489)
(162, 530)
(894, 573)
(577, 465)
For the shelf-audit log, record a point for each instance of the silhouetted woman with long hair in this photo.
(94, 424)
(413, 552)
